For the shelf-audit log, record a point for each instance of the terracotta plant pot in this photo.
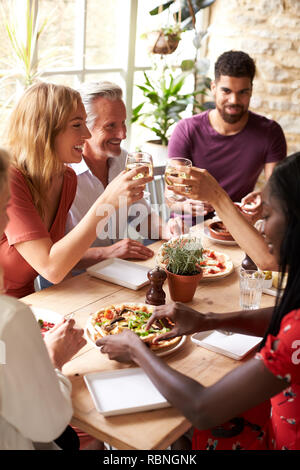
(182, 288)
(219, 231)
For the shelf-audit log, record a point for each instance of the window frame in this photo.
(81, 72)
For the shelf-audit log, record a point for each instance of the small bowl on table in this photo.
(218, 231)
(268, 281)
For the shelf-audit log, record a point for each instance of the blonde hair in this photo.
(4, 165)
(41, 113)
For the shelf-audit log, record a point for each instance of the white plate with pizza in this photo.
(215, 265)
(46, 319)
(114, 319)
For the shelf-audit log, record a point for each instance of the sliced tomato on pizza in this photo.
(215, 264)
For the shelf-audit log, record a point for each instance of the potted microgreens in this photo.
(182, 257)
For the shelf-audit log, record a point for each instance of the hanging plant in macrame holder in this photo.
(164, 43)
(165, 40)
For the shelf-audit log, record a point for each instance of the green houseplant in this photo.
(184, 14)
(182, 257)
(165, 102)
(183, 10)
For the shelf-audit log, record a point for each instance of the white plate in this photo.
(121, 272)
(215, 240)
(46, 315)
(172, 348)
(123, 391)
(235, 345)
(158, 352)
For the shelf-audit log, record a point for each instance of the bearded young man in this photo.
(231, 142)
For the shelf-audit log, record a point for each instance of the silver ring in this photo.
(187, 189)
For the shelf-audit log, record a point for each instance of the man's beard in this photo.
(232, 118)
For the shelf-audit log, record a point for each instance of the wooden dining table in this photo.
(145, 430)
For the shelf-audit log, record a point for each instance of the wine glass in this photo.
(139, 159)
(136, 159)
(175, 167)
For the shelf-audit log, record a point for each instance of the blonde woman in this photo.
(47, 131)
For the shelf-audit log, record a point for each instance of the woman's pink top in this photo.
(26, 224)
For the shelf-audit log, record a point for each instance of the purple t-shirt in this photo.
(235, 161)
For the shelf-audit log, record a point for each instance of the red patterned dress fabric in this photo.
(259, 429)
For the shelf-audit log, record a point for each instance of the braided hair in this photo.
(284, 185)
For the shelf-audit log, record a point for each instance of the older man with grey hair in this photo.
(103, 159)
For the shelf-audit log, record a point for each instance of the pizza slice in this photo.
(215, 264)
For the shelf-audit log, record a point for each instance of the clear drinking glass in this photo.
(136, 159)
(175, 167)
(251, 286)
(139, 159)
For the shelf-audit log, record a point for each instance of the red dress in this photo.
(259, 430)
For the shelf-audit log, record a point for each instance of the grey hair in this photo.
(89, 92)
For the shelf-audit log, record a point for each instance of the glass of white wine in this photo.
(176, 167)
(140, 159)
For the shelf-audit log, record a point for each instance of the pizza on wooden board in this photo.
(114, 319)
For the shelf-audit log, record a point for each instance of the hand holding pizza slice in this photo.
(185, 320)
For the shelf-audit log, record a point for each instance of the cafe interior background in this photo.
(72, 41)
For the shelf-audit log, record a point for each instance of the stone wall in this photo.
(269, 31)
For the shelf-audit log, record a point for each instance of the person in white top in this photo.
(35, 397)
(103, 159)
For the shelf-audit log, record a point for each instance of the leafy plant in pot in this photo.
(183, 256)
(185, 16)
(165, 102)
